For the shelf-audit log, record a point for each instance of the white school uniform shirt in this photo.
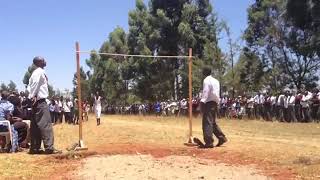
(281, 100)
(273, 100)
(38, 84)
(261, 99)
(211, 90)
(256, 99)
(251, 103)
(291, 100)
(305, 100)
(97, 103)
(66, 107)
(286, 101)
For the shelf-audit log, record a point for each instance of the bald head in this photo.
(39, 62)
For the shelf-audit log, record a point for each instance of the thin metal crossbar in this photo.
(131, 55)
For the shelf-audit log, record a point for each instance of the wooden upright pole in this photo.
(81, 144)
(190, 92)
(190, 140)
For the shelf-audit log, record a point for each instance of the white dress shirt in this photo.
(211, 90)
(66, 107)
(38, 84)
(273, 100)
(286, 101)
(251, 103)
(305, 100)
(281, 100)
(292, 100)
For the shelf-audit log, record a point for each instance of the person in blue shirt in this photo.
(157, 108)
(6, 109)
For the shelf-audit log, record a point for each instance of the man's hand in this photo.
(34, 100)
(201, 107)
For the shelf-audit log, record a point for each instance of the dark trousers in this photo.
(298, 111)
(41, 127)
(209, 125)
(52, 116)
(267, 112)
(281, 113)
(291, 114)
(22, 129)
(250, 113)
(314, 112)
(67, 117)
(306, 114)
(56, 117)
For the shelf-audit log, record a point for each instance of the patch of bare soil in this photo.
(135, 167)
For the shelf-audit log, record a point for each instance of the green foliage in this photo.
(11, 87)
(85, 92)
(164, 27)
(284, 50)
(28, 74)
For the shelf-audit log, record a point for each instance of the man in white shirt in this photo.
(67, 111)
(305, 106)
(258, 105)
(280, 106)
(209, 107)
(291, 109)
(41, 127)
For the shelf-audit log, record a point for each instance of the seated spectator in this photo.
(16, 120)
(6, 109)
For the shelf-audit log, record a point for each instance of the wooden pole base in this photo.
(81, 146)
(190, 142)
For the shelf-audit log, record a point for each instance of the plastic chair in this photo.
(7, 134)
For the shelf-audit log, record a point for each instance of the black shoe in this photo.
(52, 151)
(207, 146)
(36, 151)
(198, 142)
(222, 141)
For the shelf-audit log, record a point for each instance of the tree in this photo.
(305, 15)
(282, 48)
(85, 92)
(51, 91)
(12, 86)
(164, 27)
(170, 28)
(28, 74)
(4, 87)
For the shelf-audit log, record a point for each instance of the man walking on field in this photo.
(209, 108)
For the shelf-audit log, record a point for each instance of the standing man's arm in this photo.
(205, 94)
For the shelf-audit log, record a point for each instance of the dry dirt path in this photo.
(136, 167)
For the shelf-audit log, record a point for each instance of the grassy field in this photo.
(293, 146)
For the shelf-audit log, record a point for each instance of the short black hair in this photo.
(4, 95)
(37, 60)
(206, 71)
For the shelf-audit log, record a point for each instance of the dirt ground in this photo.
(136, 167)
(267, 149)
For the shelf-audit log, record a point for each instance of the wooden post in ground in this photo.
(190, 140)
(81, 145)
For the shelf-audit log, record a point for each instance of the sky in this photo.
(50, 29)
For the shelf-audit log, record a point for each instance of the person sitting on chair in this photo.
(6, 109)
(18, 115)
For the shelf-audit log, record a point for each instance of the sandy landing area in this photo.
(136, 167)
